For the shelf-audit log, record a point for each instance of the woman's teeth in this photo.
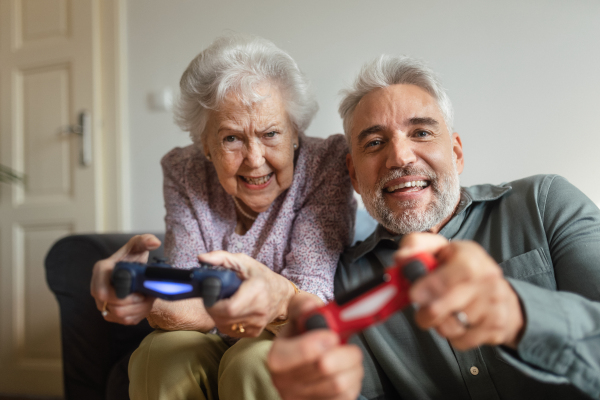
(406, 185)
(257, 181)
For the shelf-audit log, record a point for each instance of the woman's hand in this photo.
(135, 307)
(263, 296)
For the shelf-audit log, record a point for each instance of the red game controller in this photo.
(372, 302)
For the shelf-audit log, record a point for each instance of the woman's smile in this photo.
(256, 183)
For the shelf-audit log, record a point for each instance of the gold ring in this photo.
(105, 309)
(238, 328)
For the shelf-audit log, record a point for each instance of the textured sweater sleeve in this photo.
(324, 224)
(561, 341)
(183, 239)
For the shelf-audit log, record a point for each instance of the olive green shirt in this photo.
(545, 235)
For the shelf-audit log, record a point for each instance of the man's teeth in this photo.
(406, 184)
(257, 181)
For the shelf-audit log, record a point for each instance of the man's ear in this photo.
(458, 152)
(352, 172)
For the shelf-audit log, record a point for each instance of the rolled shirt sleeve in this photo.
(561, 340)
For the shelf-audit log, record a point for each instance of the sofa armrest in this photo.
(90, 345)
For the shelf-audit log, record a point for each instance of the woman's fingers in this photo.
(129, 313)
(136, 248)
(134, 307)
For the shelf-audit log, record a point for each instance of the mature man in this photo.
(514, 306)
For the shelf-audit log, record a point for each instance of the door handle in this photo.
(84, 130)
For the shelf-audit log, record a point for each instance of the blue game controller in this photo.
(160, 280)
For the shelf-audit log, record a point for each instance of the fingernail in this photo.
(327, 342)
(137, 297)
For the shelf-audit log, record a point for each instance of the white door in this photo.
(50, 72)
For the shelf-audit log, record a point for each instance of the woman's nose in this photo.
(255, 156)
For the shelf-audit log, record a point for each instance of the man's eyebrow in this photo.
(366, 132)
(423, 121)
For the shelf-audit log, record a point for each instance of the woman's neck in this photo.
(243, 223)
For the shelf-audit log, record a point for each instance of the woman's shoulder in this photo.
(177, 160)
(325, 153)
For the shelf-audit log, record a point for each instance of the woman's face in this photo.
(252, 147)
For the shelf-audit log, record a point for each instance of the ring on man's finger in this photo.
(105, 309)
(238, 328)
(462, 319)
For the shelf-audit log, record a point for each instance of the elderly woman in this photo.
(252, 183)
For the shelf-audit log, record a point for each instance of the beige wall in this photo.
(524, 76)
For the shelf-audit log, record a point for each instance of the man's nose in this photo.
(255, 155)
(400, 153)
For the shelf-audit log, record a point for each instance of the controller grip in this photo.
(122, 283)
(211, 289)
(316, 321)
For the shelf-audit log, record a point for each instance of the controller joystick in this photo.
(122, 283)
(211, 287)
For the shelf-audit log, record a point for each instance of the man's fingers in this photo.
(302, 303)
(336, 374)
(136, 247)
(456, 299)
(289, 353)
(420, 242)
(459, 262)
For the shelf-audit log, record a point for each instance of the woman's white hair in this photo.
(389, 70)
(239, 63)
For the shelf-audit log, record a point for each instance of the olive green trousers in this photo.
(192, 365)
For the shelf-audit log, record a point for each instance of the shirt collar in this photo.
(468, 195)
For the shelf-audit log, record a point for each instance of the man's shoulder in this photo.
(531, 186)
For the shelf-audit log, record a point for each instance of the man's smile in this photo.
(410, 186)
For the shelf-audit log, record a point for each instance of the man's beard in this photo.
(445, 190)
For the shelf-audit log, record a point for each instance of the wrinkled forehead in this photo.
(394, 107)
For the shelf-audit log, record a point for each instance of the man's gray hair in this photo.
(238, 63)
(389, 70)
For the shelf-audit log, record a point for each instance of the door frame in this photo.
(112, 144)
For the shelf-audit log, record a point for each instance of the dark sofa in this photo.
(95, 352)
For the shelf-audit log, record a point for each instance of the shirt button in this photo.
(474, 371)
(237, 247)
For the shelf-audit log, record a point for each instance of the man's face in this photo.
(403, 161)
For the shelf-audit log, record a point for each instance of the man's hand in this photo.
(262, 297)
(468, 283)
(313, 365)
(135, 307)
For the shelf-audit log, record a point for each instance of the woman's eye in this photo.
(271, 134)
(230, 138)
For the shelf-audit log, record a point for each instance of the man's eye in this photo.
(374, 143)
(422, 134)
(271, 134)
(230, 138)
